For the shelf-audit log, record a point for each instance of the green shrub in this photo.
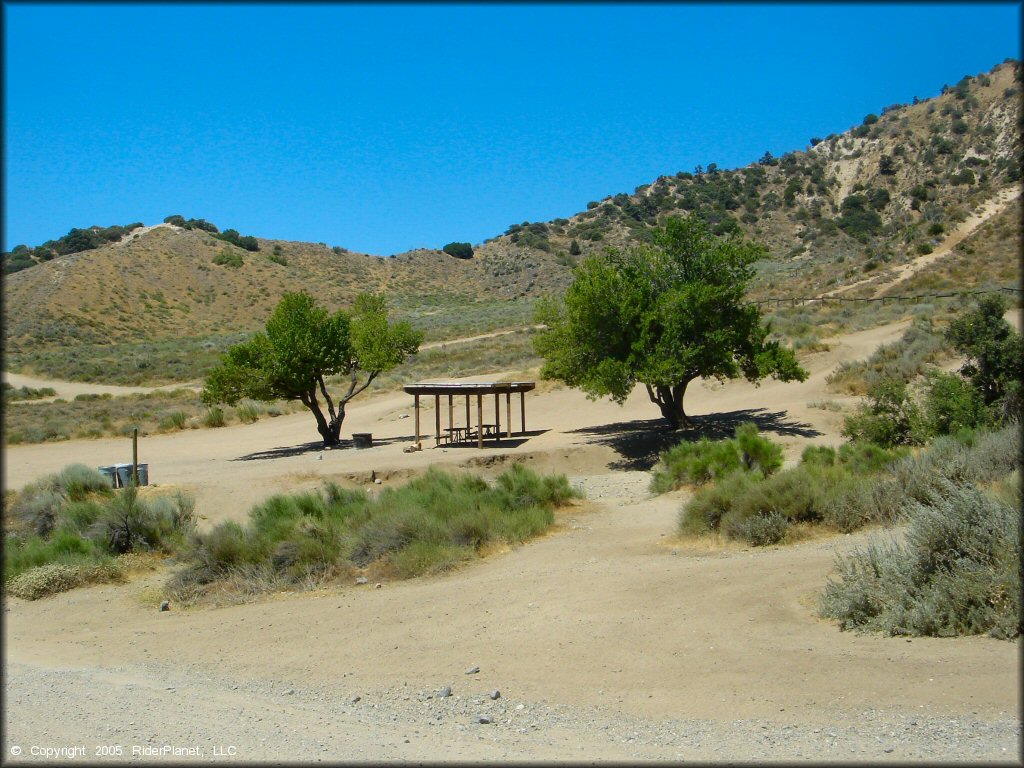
(818, 455)
(888, 418)
(865, 458)
(432, 523)
(757, 452)
(951, 404)
(459, 250)
(228, 257)
(705, 460)
(957, 573)
(703, 513)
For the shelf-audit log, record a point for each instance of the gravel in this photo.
(150, 705)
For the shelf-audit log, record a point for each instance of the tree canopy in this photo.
(303, 345)
(662, 315)
(994, 352)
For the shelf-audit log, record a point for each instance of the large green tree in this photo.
(662, 315)
(303, 346)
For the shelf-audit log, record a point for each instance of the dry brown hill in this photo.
(851, 207)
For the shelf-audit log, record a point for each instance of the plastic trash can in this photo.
(362, 439)
(124, 475)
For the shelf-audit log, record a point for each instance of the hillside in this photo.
(850, 207)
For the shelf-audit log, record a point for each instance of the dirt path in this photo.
(607, 639)
(967, 227)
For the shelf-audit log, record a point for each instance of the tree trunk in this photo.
(670, 401)
(330, 431)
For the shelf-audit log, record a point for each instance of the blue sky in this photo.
(383, 128)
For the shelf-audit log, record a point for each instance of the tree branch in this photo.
(327, 397)
(352, 392)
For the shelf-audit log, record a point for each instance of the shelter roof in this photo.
(467, 387)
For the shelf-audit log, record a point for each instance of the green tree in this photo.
(302, 346)
(994, 352)
(661, 315)
(574, 248)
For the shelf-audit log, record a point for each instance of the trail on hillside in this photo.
(899, 274)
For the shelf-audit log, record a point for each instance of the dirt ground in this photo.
(608, 639)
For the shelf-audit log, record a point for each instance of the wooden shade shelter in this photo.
(462, 434)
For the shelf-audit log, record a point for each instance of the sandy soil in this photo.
(607, 638)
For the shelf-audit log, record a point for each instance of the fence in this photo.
(824, 300)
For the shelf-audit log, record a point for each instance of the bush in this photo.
(459, 250)
(951, 404)
(704, 512)
(705, 460)
(956, 574)
(428, 525)
(228, 257)
(819, 456)
(888, 418)
(248, 413)
(866, 458)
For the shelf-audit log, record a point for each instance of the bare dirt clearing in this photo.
(607, 639)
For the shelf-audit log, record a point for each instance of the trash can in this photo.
(124, 475)
(362, 439)
(111, 474)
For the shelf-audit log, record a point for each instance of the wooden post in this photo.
(450, 417)
(522, 409)
(479, 420)
(437, 418)
(468, 422)
(135, 456)
(416, 400)
(508, 411)
(497, 417)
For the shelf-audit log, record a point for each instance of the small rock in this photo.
(888, 749)
(495, 694)
(445, 692)
(165, 605)
(472, 670)
(377, 481)
(289, 692)
(484, 720)
(377, 585)
(355, 699)
(361, 580)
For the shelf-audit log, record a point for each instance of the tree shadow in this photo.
(282, 452)
(640, 442)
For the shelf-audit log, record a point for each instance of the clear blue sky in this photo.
(383, 128)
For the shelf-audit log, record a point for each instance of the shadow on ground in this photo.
(641, 441)
(317, 446)
(515, 441)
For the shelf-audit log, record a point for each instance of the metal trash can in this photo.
(110, 473)
(124, 475)
(362, 439)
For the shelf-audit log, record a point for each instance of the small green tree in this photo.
(661, 315)
(994, 352)
(302, 346)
